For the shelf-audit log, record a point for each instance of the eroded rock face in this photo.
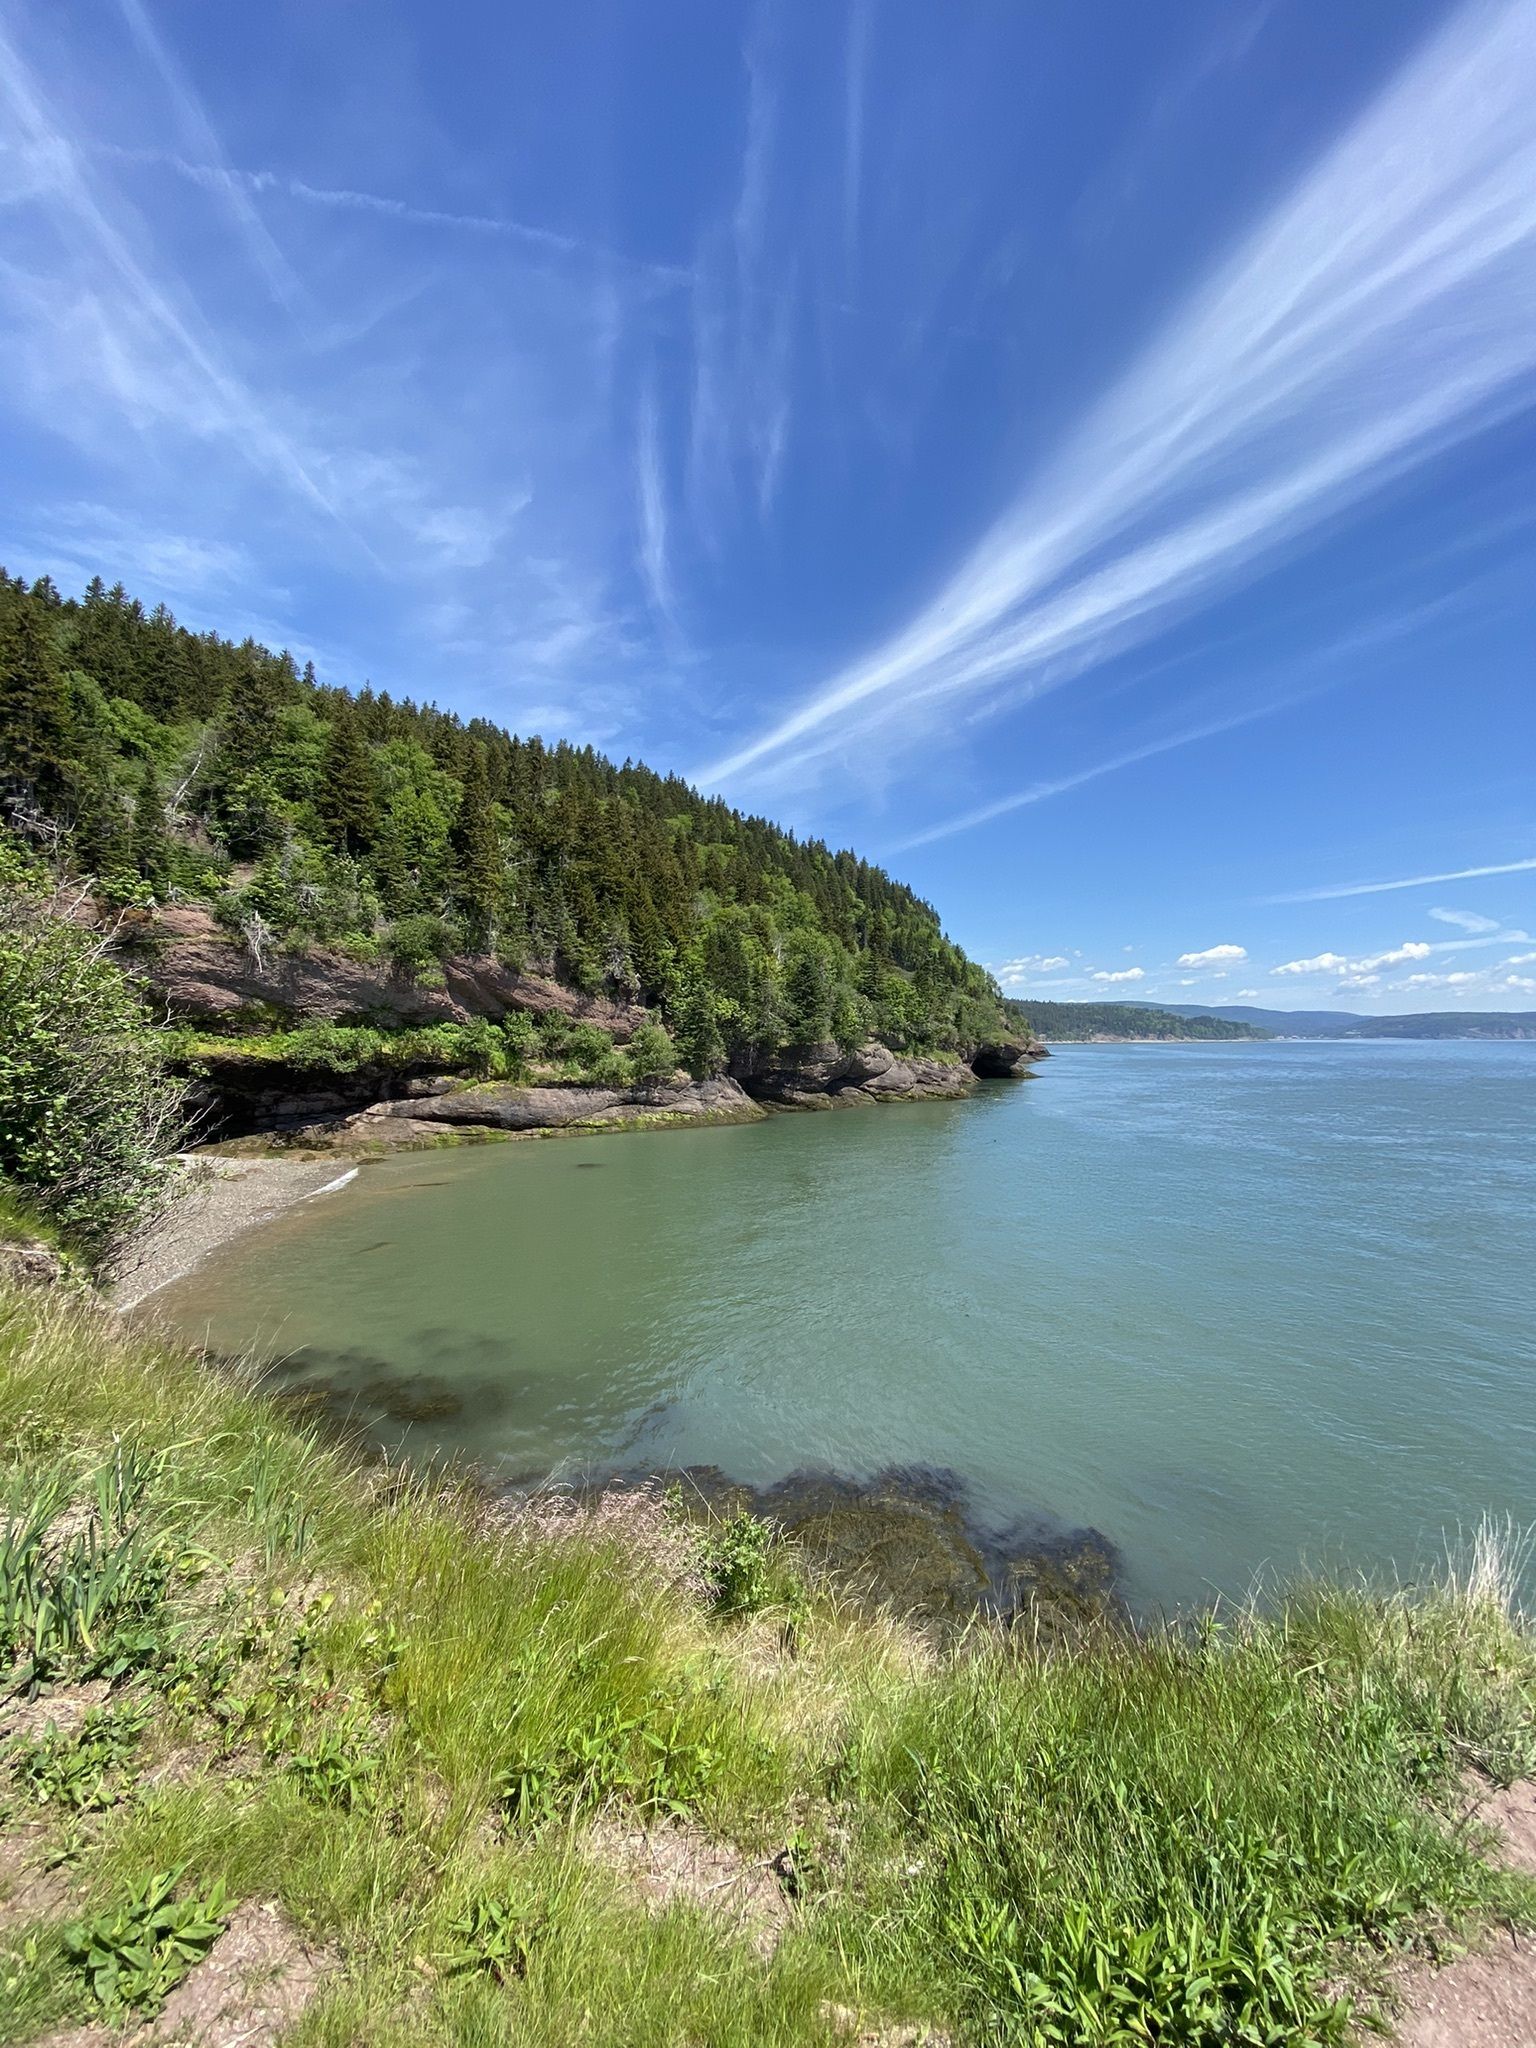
(823, 1077)
(503, 1106)
(1005, 1059)
(203, 977)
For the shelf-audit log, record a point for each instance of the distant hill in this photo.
(1352, 1024)
(1069, 1022)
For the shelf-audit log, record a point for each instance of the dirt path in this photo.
(223, 1198)
(1487, 2000)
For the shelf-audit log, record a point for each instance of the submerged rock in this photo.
(907, 1540)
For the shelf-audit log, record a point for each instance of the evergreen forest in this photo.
(171, 766)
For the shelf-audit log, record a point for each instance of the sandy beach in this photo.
(223, 1198)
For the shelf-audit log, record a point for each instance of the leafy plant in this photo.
(93, 1607)
(743, 1566)
(77, 1770)
(337, 1769)
(491, 1936)
(136, 1955)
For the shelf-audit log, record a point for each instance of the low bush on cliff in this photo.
(543, 1777)
(87, 1112)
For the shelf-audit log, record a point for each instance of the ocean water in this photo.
(1242, 1309)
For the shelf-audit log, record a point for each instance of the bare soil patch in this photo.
(254, 1986)
(671, 1864)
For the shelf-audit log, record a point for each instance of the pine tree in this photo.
(34, 711)
(347, 801)
(477, 856)
(151, 852)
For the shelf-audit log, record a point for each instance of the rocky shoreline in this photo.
(200, 977)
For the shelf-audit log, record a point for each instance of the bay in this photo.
(1243, 1309)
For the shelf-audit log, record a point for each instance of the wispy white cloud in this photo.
(1394, 956)
(1213, 956)
(192, 117)
(1029, 967)
(744, 308)
(1122, 974)
(1039, 792)
(1468, 920)
(232, 181)
(1332, 891)
(1380, 312)
(83, 536)
(651, 506)
(855, 87)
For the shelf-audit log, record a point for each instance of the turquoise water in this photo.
(1235, 1307)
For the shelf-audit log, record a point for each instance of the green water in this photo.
(1235, 1307)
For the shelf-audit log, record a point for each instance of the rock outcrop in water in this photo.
(504, 1106)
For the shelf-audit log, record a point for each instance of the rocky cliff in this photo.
(201, 977)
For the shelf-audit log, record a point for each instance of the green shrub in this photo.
(418, 944)
(87, 1110)
(652, 1055)
(585, 1045)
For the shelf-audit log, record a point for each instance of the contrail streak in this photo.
(1384, 309)
(1336, 889)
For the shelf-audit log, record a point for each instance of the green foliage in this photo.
(418, 943)
(652, 1055)
(491, 1936)
(87, 1114)
(745, 1568)
(339, 1768)
(362, 812)
(134, 1956)
(80, 1771)
(87, 1603)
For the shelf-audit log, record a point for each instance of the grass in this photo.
(346, 1690)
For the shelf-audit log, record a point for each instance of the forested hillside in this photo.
(174, 766)
(1066, 1022)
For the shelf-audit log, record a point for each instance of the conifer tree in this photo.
(34, 710)
(347, 800)
(151, 851)
(477, 853)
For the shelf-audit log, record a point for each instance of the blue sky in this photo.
(1080, 455)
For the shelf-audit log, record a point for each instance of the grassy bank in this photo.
(611, 1779)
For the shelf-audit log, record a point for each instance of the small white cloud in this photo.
(1523, 982)
(1338, 963)
(1415, 949)
(1213, 956)
(1012, 972)
(1245, 994)
(1125, 974)
(1520, 959)
(1469, 920)
(1319, 963)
